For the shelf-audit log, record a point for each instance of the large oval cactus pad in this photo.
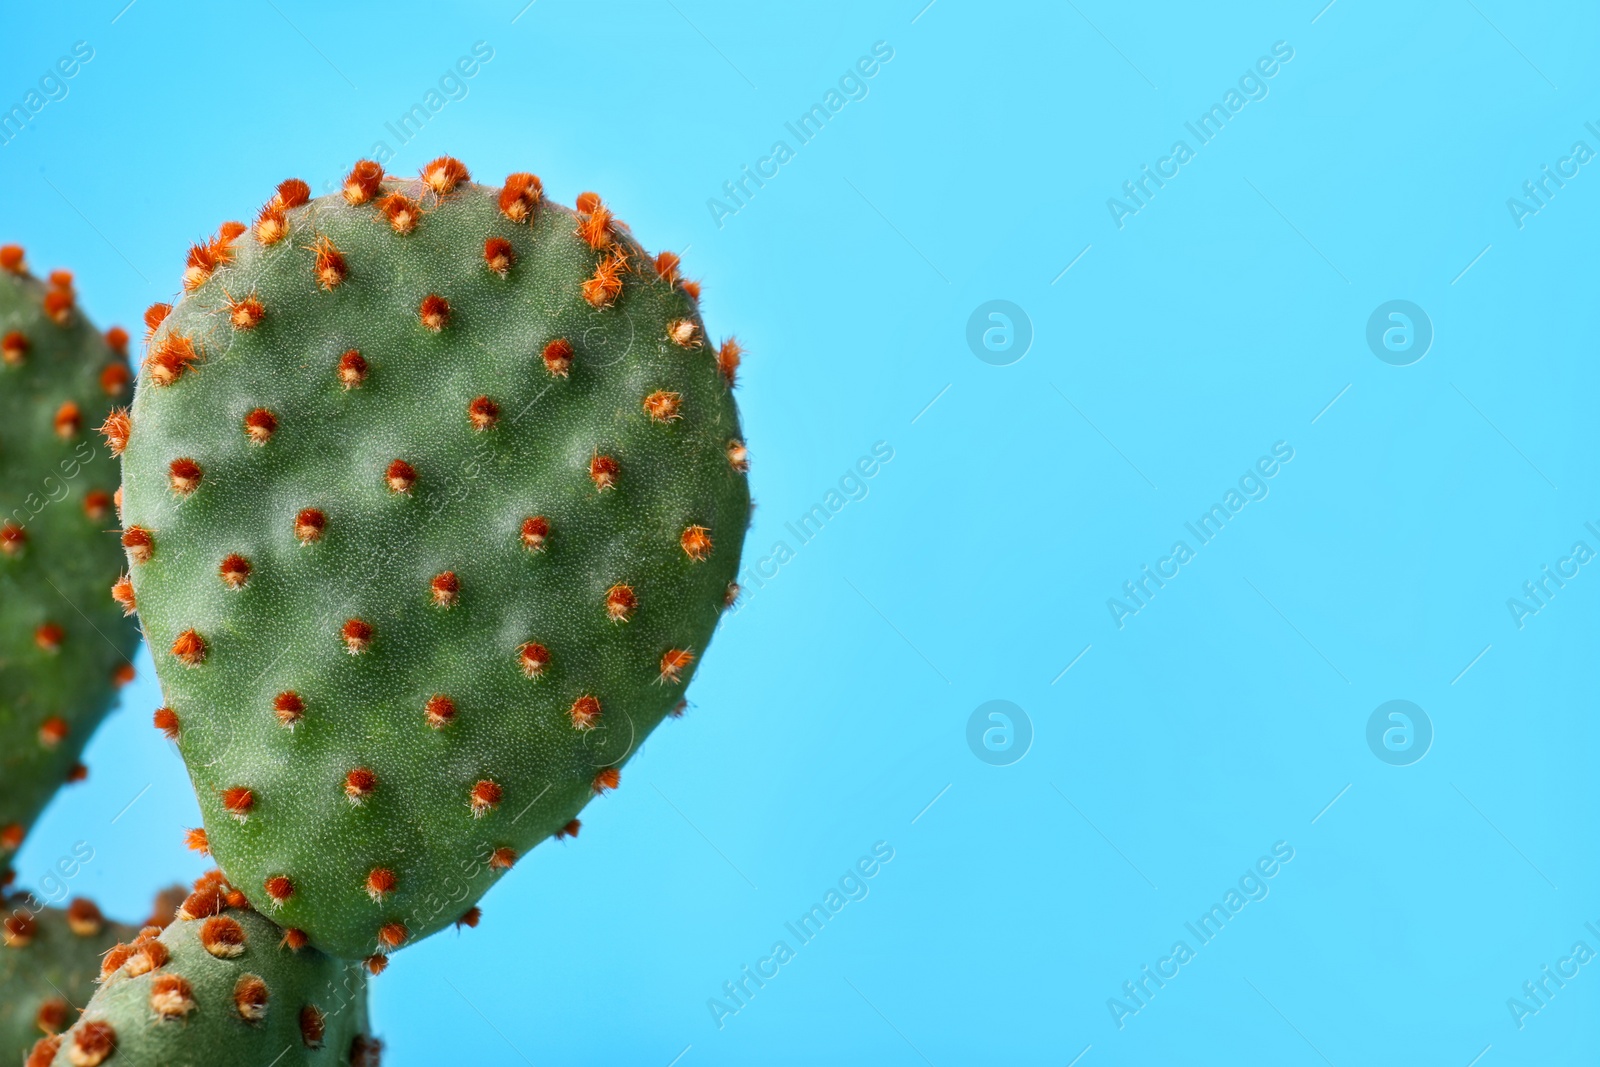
(434, 493)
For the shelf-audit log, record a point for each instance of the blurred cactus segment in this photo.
(65, 644)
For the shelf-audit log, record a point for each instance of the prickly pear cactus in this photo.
(64, 645)
(221, 985)
(49, 960)
(434, 493)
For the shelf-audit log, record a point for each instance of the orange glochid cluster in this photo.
(47, 636)
(400, 476)
(434, 312)
(250, 998)
(260, 425)
(13, 539)
(620, 603)
(19, 929)
(359, 784)
(662, 405)
(289, 708)
(683, 333)
(245, 313)
(68, 420)
(352, 369)
(728, 357)
(52, 1015)
(14, 349)
(93, 1041)
(483, 413)
(170, 358)
(59, 298)
(439, 711)
(234, 571)
(602, 288)
(585, 713)
(139, 544)
(189, 648)
(520, 196)
(309, 524)
(380, 882)
(223, 937)
(154, 316)
(696, 542)
(272, 225)
(207, 257)
(238, 801)
(279, 888)
(171, 997)
(444, 174)
(166, 720)
(603, 471)
(595, 221)
(96, 504)
(445, 589)
(184, 476)
(484, 797)
(363, 183)
(535, 529)
(313, 1026)
(114, 378)
(674, 662)
(401, 211)
(330, 267)
(558, 357)
(533, 658)
(498, 256)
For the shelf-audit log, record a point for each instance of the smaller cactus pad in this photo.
(222, 985)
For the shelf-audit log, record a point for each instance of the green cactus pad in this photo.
(220, 985)
(434, 493)
(64, 644)
(49, 960)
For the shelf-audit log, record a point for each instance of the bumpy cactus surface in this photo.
(433, 495)
(64, 645)
(221, 985)
(49, 960)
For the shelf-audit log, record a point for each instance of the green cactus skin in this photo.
(220, 986)
(64, 645)
(371, 732)
(49, 960)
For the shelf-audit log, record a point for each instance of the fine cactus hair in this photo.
(49, 960)
(64, 646)
(221, 984)
(434, 493)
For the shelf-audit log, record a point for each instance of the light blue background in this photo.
(1224, 317)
